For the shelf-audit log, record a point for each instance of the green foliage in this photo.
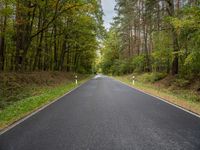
(188, 29)
(180, 82)
(188, 20)
(162, 54)
(120, 67)
(152, 77)
(49, 35)
(110, 52)
(147, 43)
(138, 63)
(192, 62)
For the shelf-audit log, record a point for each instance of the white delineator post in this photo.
(133, 80)
(76, 80)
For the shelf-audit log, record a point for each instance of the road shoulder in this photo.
(8, 121)
(184, 105)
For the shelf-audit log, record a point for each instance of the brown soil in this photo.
(17, 86)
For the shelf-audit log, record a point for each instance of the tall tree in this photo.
(49, 34)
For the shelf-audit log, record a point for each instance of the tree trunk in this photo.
(175, 63)
(2, 43)
(23, 32)
(64, 50)
(55, 49)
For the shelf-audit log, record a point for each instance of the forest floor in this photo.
(24, 93)
(183, 93)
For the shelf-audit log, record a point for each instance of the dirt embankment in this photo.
(179, 91)
(173, 83)
(16, 86)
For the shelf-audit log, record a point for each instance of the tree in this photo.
(49, 34)
(156, 35)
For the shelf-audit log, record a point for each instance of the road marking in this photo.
(45, 106)
(188, 111)
(38, 110)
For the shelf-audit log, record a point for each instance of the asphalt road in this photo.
(104, 114)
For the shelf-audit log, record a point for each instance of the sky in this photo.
(109, 13)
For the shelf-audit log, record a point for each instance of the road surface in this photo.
(104, 114)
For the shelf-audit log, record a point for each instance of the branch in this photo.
(54, 18)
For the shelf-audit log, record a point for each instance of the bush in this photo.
(138, 63)
(158, 76)
(182, 82)
(152, 77)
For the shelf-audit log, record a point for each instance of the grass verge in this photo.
(183, 98)
(26, 106)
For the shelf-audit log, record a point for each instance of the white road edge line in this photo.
(45, 106)
(38, 110)
(192, 113)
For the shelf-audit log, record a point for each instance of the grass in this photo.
(187, 99)
(22, 108)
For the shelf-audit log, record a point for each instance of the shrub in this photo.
(182, 82)
(152, 77)
(138, 63)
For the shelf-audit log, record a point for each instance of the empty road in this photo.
(104, 114)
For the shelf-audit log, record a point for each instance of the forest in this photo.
(44, 45)
(49, 35)
(70, 80)
(50, 47)
(65, 35)
(160, 36)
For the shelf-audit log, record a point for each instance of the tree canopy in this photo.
(154, 35)
(49, 34)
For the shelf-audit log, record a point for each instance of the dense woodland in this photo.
(64, 35)
(49, 35)
(154, 36)
(44, 43)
